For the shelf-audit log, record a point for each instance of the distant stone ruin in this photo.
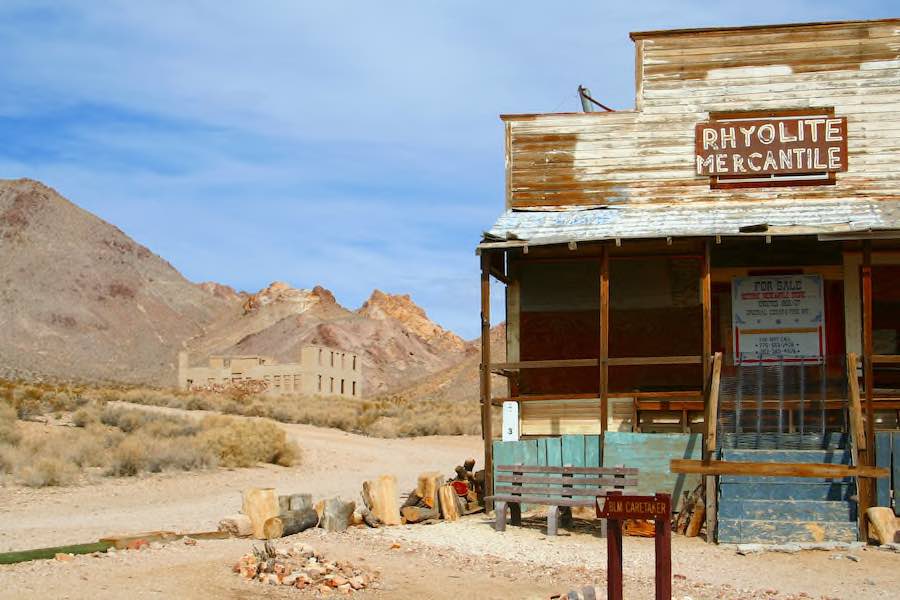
(320, 371)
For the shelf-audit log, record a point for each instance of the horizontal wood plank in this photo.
(545, 364)
(578, 470)
(561, 492)
(718, 467)
(634, 361)
(562, 480)
(885, 359)
(543, 501)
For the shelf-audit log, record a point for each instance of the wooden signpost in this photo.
(615, 508)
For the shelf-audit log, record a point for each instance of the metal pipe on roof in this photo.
(587, 100)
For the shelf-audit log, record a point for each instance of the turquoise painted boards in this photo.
(566, 450)
(651, 453)
(887, 455)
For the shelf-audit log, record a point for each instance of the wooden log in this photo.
(335, 514)
(416, 514)
(412, 499)
(427, 488)
(290, 522)
(449, 504)
(698, 516)
(370, 519)
(9, 558)
(121, 541)
(289, 502)
(236, 525)
(381, 498)
(260, 504)
(884, 523)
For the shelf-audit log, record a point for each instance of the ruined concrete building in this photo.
(321, 371)
(711, 278)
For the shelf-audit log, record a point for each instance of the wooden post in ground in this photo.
(614, 559)
(858, 444)
(604, 342)
(663, 546)
(487, 429)
(865, 489)
(709, 451)
(868, 349)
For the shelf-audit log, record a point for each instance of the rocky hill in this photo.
(459, 382)
(397, 342)
(81, 300)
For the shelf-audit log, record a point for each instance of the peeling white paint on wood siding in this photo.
(646, 155)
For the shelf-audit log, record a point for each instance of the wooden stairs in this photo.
(777, 510)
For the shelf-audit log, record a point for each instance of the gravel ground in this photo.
(445, 560)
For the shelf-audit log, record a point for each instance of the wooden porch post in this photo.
(486, 422)
(868, 350)
(706, 295)
(866, 487)
(604, 342)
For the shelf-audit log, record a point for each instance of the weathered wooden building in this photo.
(713, 259)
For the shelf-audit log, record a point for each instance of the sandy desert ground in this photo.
(445, 560)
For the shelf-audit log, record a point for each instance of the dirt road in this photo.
(447, 560)
(334, 463)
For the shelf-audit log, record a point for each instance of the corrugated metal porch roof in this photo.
(694, 219)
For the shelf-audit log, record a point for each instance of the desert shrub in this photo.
(10, 457)
(126, 419)
(130, 457)
(9, 431)
(198, 403)
(85, 416)
(140, 453)
(246, 442)
(47, 471)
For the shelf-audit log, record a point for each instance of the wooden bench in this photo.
(555, 487)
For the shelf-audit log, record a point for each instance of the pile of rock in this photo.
(303, 568)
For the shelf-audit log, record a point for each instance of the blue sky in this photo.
(354, 145)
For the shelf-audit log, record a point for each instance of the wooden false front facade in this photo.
(628, 236)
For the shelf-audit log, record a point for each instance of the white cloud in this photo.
(354, 144)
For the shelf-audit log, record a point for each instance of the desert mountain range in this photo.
(81, 300)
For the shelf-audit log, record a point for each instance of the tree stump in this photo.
(449, 502)
(427, 488)
(335, 514)
(381, 498)
(290, 502)
(260, 504)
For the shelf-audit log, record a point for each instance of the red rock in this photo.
(139, 544)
